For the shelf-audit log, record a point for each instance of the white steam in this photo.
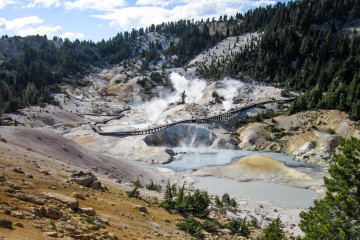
(229, 89)
(193, 89)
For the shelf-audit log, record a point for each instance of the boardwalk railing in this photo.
(219, 117)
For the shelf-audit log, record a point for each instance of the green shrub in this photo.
(233, 203)
(192, 227)
(226, 199)
(2, 178)
(331, 131)
(195, 204)
(314, 127)
(133, 193)
(273, 231)
(90, 220)
(218, 203)
(137, 183)
(153, 187)
(239, 227)
(210, 226)
(254, 223)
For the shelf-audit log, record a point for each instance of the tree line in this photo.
(305, 48)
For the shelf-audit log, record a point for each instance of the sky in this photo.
(103, 19)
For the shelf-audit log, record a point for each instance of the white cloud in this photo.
(41, 30)
(44, 3)
(100, 5)
(31, 25)
(19, 23)
(163, 3)
(4, 3)
(72, 36)
(128, 18)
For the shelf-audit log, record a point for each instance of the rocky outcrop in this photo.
(69, 201)
(87, 179)
(30, 198)
(310, 136)
(51, 212)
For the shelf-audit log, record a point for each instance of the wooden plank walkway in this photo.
(223, 117)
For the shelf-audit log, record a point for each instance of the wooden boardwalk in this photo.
(223, 117)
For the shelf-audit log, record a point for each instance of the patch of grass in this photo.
(90, 220)
(2, 178)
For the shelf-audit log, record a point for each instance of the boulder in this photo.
(51, 234)
(18, 170)
(69, 201)
(5, 223)
(51, 212)
(88, 211)
(170, 152)
(87, 179)
(83, 179)
(30, 198)
(141, 208)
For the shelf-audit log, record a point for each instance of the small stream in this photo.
(262, 192)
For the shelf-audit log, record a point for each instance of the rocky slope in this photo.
(44, 195)
(311, 136)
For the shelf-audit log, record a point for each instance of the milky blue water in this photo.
(263, 192)
(203, 157)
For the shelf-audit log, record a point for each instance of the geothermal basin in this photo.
(262, 177)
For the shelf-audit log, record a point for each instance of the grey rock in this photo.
(87, 179)
(5, 223)
(30, 198)
(18, 170)
(51, 212)
(141, 208)
(95, 185)
(69, 201)
(170, 152)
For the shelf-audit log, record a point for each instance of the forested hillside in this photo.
(28, 76)
(306, 45)
(309, 46)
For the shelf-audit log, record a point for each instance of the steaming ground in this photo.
(165, 108)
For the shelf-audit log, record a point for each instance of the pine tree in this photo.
(337, 216)
(273, 231)
(179, 200)
(183, 97)
(167, 203)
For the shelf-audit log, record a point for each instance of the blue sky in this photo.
(103, 19)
